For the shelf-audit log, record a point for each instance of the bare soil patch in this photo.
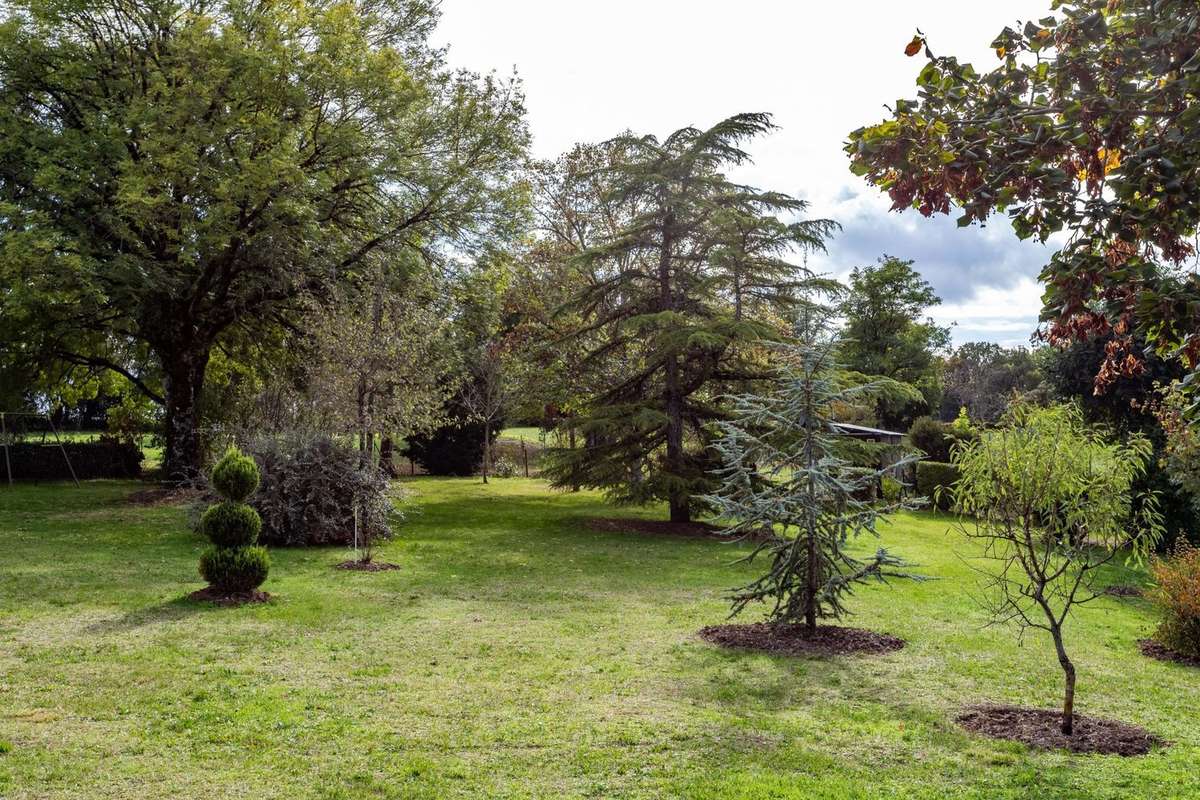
(163, 496)
(1042, 729)
(1160, 652)
(790, 640)
(357, 565)
(211, 595)
(1123, 590)
(651, 527)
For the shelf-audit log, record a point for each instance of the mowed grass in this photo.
(519, 654)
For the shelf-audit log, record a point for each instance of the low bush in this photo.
(1177, 595)
(935, 480)
(893, 490)
(235, 569)
(107, 458)
(311, 485)
(931, 438)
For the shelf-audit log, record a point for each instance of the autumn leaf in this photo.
(1000, 52)
(914, 46)
(1111, 159)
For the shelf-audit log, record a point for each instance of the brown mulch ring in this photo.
(1042, 729)
(789, 640)
(1160, 652)
(358, 565)
(163, 496)
(689, 530)
(1122, 590)
(211, 595)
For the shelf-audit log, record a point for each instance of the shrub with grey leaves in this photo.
(311, 485)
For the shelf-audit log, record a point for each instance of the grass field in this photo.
(518, 654)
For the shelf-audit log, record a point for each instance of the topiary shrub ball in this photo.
(232, 570)
(235, 476)
(231, 524)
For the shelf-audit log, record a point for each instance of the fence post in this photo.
(4, 437)
(62, 447)
(525, 457)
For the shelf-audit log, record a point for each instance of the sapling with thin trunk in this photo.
(1050, 500)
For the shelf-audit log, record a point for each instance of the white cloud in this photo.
(592, 70)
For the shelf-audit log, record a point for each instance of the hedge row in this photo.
(935, 481)
(45, 462)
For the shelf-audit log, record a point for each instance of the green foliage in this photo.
(983, 378)
(1181, 451)
(235, 476)
(893, 490)
(886, 334)
(176, 177)
(1052, 502)
(231, 524)
(1109, 159)
(784, 479)
(931, 438)
(235, 569)
(232, 564)
(682, 290)
(935, 482)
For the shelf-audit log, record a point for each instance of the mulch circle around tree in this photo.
(829, 640)
(357, 565)
(211, 595)
(1121, 590)
(1042, 728)
(1160, 652)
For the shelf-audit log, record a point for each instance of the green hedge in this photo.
(932, 475)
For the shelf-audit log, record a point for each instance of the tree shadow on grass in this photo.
(174, 610)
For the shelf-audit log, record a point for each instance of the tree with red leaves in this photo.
(1088, 124)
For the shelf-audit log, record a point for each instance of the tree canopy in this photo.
(1086, 125)
(174, 172)
(681, 288)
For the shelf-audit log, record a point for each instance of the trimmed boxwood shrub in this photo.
(935, 481)
(235, 477)
(233, 565)
(235, 569)
(231, 524)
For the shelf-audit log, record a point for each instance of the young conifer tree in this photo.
(786, 478)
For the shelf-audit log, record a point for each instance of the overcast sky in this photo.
(593, 68)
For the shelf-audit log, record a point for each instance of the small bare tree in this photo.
(1050, 501)
(486, 394)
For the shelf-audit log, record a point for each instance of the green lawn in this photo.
(518, 654)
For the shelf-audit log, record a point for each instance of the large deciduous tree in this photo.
(682, 288)
(173, 172)
(1087, 124)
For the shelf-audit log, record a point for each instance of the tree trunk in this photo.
(183, 382)
(679, 500)
(387, 459)
(487, 448)
(1068, 715)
